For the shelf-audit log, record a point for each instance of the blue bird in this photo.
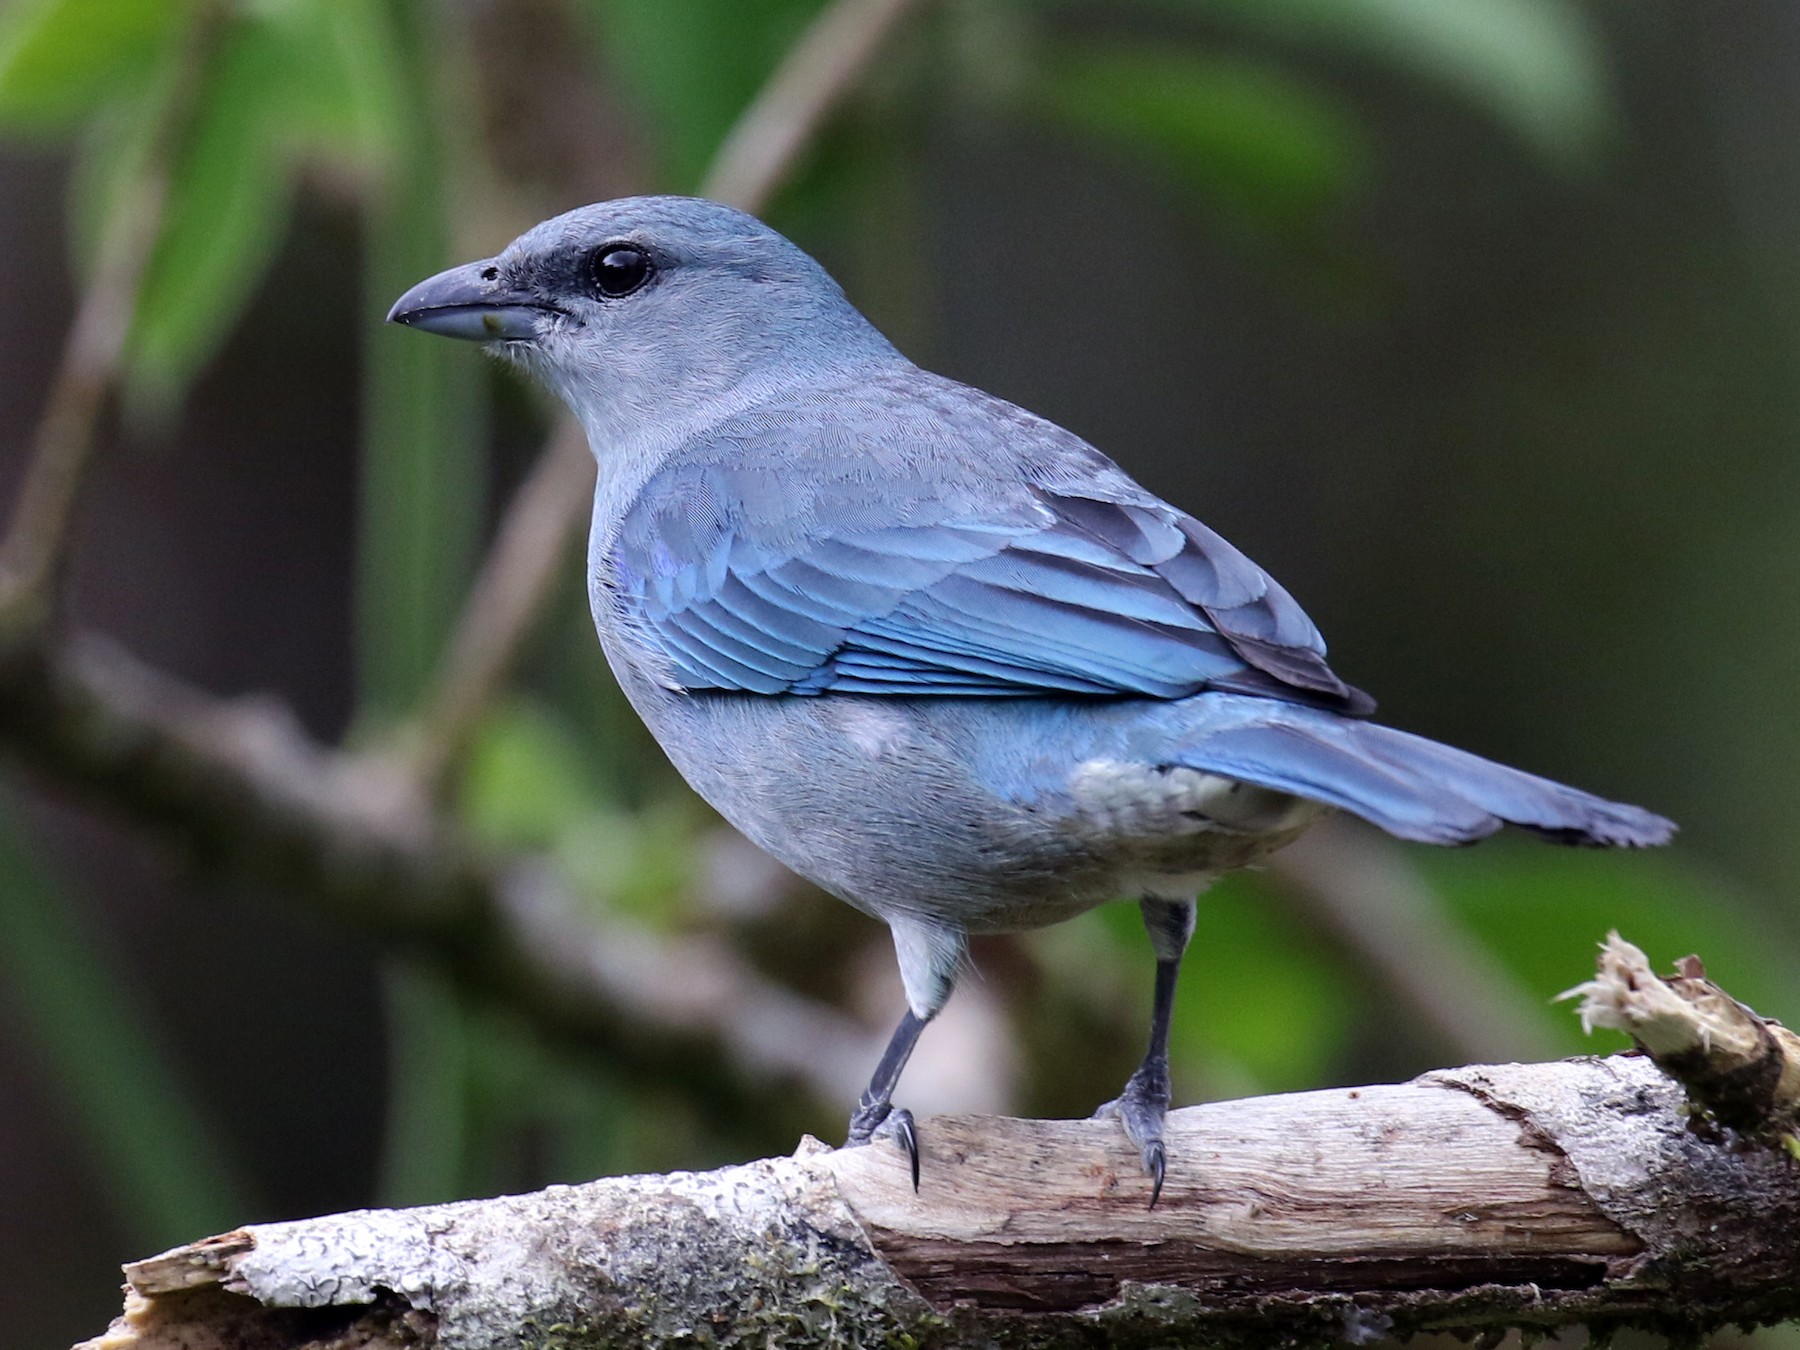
(935, 653)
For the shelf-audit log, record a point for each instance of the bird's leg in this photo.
(929, 954)
(876, 1109)
(1144, 1103)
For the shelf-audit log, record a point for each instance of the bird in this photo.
(933, 652)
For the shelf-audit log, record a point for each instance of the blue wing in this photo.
(751, 576)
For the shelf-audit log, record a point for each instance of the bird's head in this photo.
(649, 309)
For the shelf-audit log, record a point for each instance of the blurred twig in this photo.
(506, 601)
(1361, 893)
(520, 569)
(35, 552)
(762, 149)
(244, 788)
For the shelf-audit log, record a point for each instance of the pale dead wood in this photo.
(1740, 1069)
(1532, 1195)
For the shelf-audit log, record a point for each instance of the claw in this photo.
(1144, 1104)
(1156, 1163)
(874, 1119)
(1140, 1109)
(875, 1113)
(906, 1134)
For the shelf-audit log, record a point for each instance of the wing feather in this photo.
(976, 588)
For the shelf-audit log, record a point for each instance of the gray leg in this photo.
(929, 954)
(1144, 1103)
(876, 1108)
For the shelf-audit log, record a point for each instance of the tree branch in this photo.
(1741, 1071)
(246, 792)
(787, 114)
(1470, 1200)
(505, 604)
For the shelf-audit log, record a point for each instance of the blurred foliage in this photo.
(293, 86)
(1541, 910)
(157, 1156)
(1272, 151)
(289, 85)
(63, 60)
(424, 419)
(368, 102)
(1534, 65)
(1259, 1009)
(529, 786)
(693, 68)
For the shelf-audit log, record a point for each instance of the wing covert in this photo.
(1044, 592)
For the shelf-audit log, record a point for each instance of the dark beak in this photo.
(471, 302)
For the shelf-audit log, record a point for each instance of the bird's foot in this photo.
(882, 1119)
(1141, 1109)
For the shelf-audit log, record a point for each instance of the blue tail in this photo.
(1409, 786)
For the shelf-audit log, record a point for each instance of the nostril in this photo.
(489, 273)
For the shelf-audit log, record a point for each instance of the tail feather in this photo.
(1413, 787)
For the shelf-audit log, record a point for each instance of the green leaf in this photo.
(694, 65)
(424, 425)
(307, 80)
(303, 80)
(1274, 152)
(341, 88)
(157, 1156)
(1536, 66)
(62, 59)
(226, 208)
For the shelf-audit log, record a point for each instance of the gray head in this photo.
(645, 311)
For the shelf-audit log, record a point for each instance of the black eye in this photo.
(619, 269)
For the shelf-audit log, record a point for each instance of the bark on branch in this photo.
(1741, 1070)
(1473, 1199)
